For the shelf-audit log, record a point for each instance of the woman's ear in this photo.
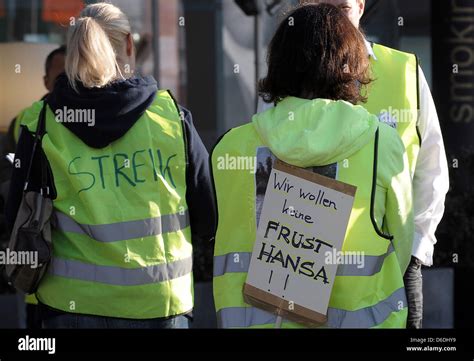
(130, 45)
(361, 5)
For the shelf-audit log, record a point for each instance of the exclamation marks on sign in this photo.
(286, 282)
(270, 279)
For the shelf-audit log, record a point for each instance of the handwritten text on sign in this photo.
(304, 216)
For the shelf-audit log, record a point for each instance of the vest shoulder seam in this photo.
(401, 52)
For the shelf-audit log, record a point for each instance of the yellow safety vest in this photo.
(395, 94)
(370, 297)
(121, 235)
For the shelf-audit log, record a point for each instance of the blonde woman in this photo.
(128, 171)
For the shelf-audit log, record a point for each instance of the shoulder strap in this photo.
(41, 127)
(40, 132)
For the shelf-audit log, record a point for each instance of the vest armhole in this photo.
(418, 102)
(374, 186)
(211, 170)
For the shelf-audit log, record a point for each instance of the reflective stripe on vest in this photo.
(242, 317)
(116, 232)
(120, 276)
(228, 264)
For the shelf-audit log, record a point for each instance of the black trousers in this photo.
(33, 317)
(414, 290)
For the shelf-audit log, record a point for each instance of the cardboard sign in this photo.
(304, 216)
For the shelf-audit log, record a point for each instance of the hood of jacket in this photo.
(115, 108)
(318, 132)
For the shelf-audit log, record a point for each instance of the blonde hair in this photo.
(95, 43)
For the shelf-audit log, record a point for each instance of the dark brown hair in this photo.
(317, 53)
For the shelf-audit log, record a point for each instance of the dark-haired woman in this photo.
(318, 69)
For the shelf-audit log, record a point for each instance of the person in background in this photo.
(54, 66)
(400, 86)
(131, 187)
(317, 63)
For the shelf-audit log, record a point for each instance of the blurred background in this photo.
(210, 53)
